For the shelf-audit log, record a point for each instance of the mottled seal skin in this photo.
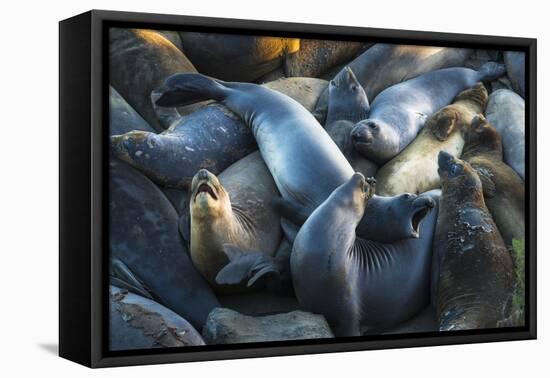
(132, 55)
(347, 105)
(359, 285)
(122, 117)
(476, 276)
(515, 67)
(503, 189)
(143, 234)
(136, 322)
(414, 170)
(506, 112)
(384, 65)
(213, 137)
(232, 212)
(236, 57)
(400, 112)
(316, 56)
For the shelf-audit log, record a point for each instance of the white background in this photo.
(29, 187)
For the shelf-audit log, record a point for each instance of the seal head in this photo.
(347, 99)
(376, 139)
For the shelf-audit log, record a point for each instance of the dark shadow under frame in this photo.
(84, 193)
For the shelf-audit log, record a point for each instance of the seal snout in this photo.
(362, 133)
(202, 184)
(444, 160)
(421, 207)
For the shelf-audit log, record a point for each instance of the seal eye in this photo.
(455, 169)
(354, 88)
(407, 196)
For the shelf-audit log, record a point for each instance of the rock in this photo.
(225, 326)
(138, 323)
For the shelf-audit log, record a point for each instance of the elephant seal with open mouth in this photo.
(357, 284)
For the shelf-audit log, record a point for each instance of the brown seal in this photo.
(503, 189)
(232, 216)
(414, 170)
(476, 273)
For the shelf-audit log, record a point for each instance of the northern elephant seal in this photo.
(476, 272)
(503, 189)
(506, 112)
(136, 322)
(357, 284)
(515, 67)
(316, 56)
(384, 65)
(139, 61)
(291, 142)
(243, 57)
(347, 105)
(122, 117)
(213, 137)
(399, 112)
(414, 170)
(232, 214)
(143, 234)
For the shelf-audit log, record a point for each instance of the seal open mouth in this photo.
(419, 214)
(206, 188)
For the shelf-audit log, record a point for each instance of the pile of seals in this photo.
(378, 185)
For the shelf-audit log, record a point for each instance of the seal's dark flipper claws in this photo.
(244, 265)
(267, 268)
(189, 88)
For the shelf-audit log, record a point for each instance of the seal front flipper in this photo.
(189, 88)
(244, 265)
(443, 124)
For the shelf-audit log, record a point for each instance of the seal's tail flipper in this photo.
(491, 71)
(243, 266)
(121, 276)
(189, 88)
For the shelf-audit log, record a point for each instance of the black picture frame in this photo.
(83, 151)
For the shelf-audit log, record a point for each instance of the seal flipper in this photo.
(123, 277)
(491, 71)
(443, 124)
(189, 88)
(242, 266)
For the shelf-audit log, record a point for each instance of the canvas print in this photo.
(267, 188)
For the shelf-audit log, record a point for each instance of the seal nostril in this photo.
(203, 174)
